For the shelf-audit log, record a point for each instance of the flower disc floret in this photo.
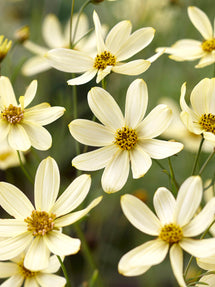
(125, 138)
(40, 222)
(26, 273)
(207, 121)
(208, 45)
(171, 233)
(13, 114)
(104, 59)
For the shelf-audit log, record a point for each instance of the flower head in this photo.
(189, 50)
(19, 274)
(5, 46)
(39, 230)
(200, 118)
(21, 126)
(207, 263)
(122, 139)
(118, 46)
(173, 226)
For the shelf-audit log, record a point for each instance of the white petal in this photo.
(206, 60)
(61, 244)
(31, 282)
(37, 255)
(209, 280)
(136, 103)
(201, 22)
(116, 172)
(86, 77)
(7, 269)
(91, 133)
(50, 280)
(14, 201)
(54, 264)
(207, 263)
(188, 199)
(140, 161)
(47, 183)
(105, 108)
(73, 196)
(155, 56)
(30, 93)
(35, 65)
(138, 213)
(210, 137)
(164, 204)
(7, 95)
(132, 68)
(12, 227)
(98, 30)
(18, 138)
(14, 281)
(176, 259)
(34, 48)
(198, 247)
(4, 129)
(140, 259)
(103, 73)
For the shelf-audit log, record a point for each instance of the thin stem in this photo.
(197, 156)
(68, 282)
(206, 162)
(172, 175)
(70, 27)
(104, 84)
(24, 169)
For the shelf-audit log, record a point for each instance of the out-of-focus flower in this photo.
(173, 226)
(99, 1)
(39, 229)
(208, 264)
(22, 34)
(23, 127)
(200, 118)
(54, 37)
(119, 46)
(21, 275)
(5, 46)
(209, 193)
(178, 131)
(122, 139)
(189, 50)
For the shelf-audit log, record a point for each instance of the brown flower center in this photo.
(103, 60)
(208, 45)
(12, 114)
(26, 273)
(207, 121)
(125, 138)
(171, 233)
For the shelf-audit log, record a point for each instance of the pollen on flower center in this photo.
(171, 233)
(207, 121)
(103, 60)
(12, 114)
(40, 222)
(125, 138)
(26, 273)
(208, 45)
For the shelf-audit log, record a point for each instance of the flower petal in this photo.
(198, 247)
(132, 68)
(206, 60)
(7, 95)
(30, 93)
(103, 73)
(140, 259)
(207, 263)
(105, 108)
(209, 280)
(98, 31)
(91, 133)
(7, 269)
(73, 196)
(176, 259)
(4, 129)
(86, 77)
(31, 282)
(35, 65)
(47, 183)
(50, 280)
(140, 161)
(12, 227)
(18, 138)
(164, 204)
(14, 201)
(54, 264)
(14, 281)
(136, 103)
(61, 244)
(138, 213)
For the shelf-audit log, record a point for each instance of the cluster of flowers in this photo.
(34, 233)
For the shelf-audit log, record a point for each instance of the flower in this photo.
(39, 229)
(208, 264)
(23, 127)
(22, 34)
(5, 47)
(189, 50)
(200, 118)
(119, 45)
(20, 275)
(122, 139)
(173, 226)
(55, 38)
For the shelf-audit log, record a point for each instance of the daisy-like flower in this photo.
(39, 230)
(23, 127)
(174, 226)
(188, 49)
(122, 139)
(54, 37)
(21, 275)
(118, 46)
(200, 118)
(208, 264)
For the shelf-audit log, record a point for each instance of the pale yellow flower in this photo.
(5, 46)
(39, 230)
(21, 126)
(207, 263)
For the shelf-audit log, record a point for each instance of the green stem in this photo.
(70, 27)
(172, 175)
(104, 84)
(206, 162)
(68, 282)
(197, 156)
(24, 169)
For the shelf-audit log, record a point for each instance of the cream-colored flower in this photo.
(23, 127)
(200, 118)
(118, 46)
(39, 229)
(188, 49)
(122, 139)
(209, 193)
(54, 37)
(174, 225)
(178, 131)
(208, 264)
(20, 275)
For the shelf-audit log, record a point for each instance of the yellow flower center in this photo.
(26, 273)
(5, 155)
(207, 121)
(5, 46)
(171, 233)
(40, 222)
(208, 45)
(125, 138)
(103, 60)
(12, 114)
